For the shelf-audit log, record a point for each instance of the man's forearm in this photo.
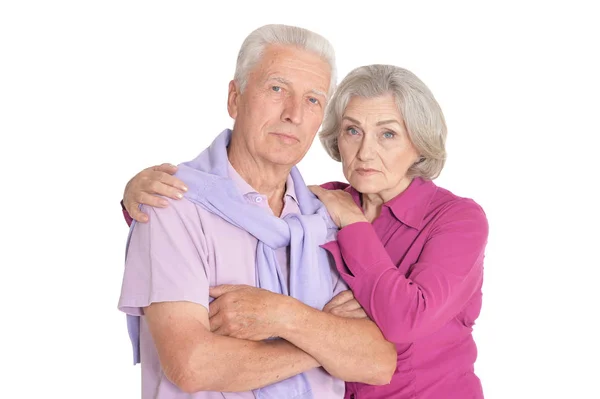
(351, 349)
(233, 365)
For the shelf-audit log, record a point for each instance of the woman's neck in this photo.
(372, 203)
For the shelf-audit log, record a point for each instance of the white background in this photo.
(91, 92)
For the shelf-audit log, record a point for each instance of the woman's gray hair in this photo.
(420, 111)
(253, 47)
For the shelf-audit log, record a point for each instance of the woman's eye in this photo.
(352, 131)
(389, 135)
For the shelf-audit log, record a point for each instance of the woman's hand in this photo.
(340, 205)
(344, 305)
(147, 186)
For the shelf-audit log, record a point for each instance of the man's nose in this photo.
(293, 111)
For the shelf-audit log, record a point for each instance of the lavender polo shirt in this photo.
(193, 249)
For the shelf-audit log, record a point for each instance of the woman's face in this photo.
(374, 146)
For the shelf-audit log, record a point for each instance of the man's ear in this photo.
(233, 97)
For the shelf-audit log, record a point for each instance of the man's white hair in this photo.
(254, 46)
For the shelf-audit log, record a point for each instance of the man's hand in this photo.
(344, 305)
(340, 205)
(245, 312)
(147, 186)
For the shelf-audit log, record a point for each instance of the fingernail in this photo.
(184, 188)
(164, 202)
(179, 195)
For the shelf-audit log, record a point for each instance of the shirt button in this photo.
(258, 199)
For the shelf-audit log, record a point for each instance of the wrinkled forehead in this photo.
(377, 109)
(295, 67)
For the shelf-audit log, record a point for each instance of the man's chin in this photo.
(282, 159)
(283, 155)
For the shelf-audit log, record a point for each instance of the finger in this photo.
(355, 314)
(222, 289)
(151, 200)
(139, 216)
(316, 190)
(334, 303)
(133, 210)
(224, 331)
(213, 308)
(219, 325)
(172, 181)
(337, 300)
(165, 167)
(350, 306)
(159, 188)
(341, 298)
(215, 322)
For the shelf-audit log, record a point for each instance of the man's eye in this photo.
(313, 100)
(276, 88)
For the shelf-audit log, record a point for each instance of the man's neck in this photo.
(266, 178)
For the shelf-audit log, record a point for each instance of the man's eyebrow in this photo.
(287, 82)
(318, 93)
(279, 79)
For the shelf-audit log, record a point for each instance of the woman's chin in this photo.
(364, 186)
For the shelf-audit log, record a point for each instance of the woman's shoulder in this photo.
(448, 205)
(335, 185)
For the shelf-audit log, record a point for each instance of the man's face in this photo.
(281, 108)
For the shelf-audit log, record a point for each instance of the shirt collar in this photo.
(410, 206)
(245, 189)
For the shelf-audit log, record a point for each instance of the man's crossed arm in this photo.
(229, 351)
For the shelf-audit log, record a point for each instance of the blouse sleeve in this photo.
(448, 272)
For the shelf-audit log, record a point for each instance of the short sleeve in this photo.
(166, 259)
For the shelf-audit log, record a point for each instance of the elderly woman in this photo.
(411, 252)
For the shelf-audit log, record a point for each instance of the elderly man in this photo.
(248, 233)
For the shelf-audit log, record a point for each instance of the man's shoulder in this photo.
(188, 215)
(176, 228)
(176, 208)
